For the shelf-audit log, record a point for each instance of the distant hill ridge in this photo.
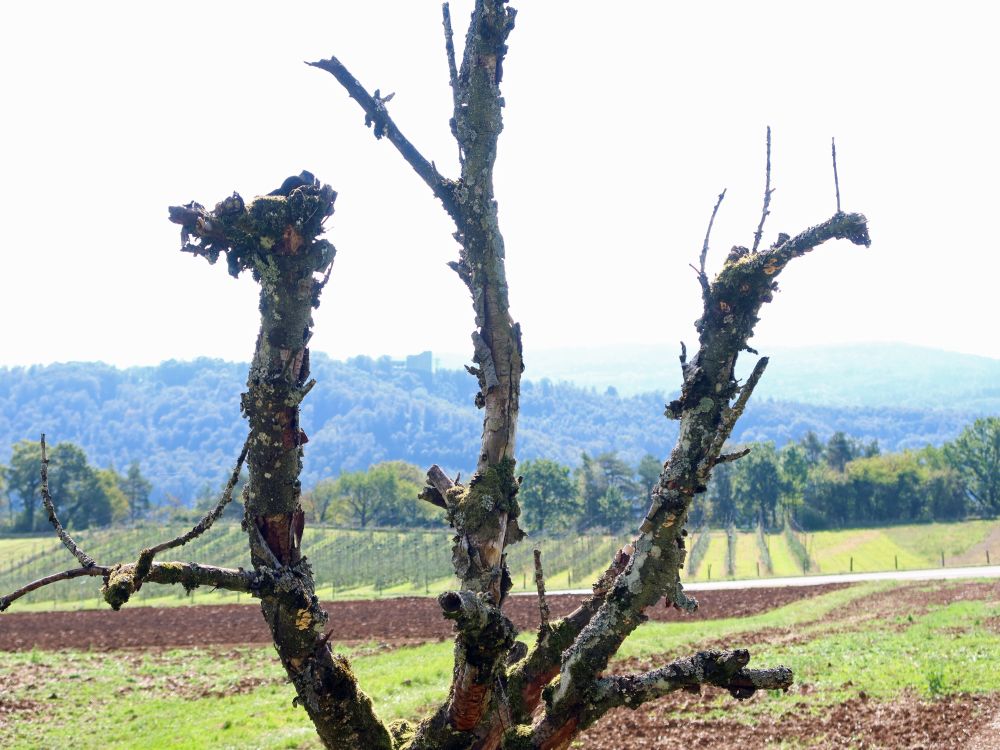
(181, 419)
(847, 375)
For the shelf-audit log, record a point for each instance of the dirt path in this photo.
(396, 621)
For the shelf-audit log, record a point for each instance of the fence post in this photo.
(758, 568)
(987, 557)
(942, 558)
(896, 559)
(852, 563)
(710, 571)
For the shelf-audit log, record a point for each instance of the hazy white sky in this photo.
(623, 123)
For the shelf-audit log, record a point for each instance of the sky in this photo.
(622, 125)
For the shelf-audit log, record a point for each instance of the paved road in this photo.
(932, 574)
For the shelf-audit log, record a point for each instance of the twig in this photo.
(376, 114)
(733, 413)
(145, 561)
(449, 48)
(836, 180)
(456, 96)
(735, 456)
(543, 605)
(767, 196)
(89, 570)
(704, 248)
(85, 560)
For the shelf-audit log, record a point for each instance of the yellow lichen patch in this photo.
(772, 267)
(303, 619)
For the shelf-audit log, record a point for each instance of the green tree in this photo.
(24, 481)
(76, 488)
(5, 501)
(975, 455)
(648, 471)
(592, 486)
(595, 477)
(839, 450)
(400, 505)
(110, 482)
(616, 509)
(813, 448)
(548, 495)
(758, 485)
(136, 489)
(719, 497)
(795, 468)
(384, 495)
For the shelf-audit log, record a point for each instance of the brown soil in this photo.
(395, 621)
(907, 723)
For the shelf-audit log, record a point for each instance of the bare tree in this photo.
(501, 696)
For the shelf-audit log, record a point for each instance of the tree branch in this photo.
(377, 116)
(732, 306)
(449, 49)
(702, 277)
(836, 179)
(118, 579)
(85, 560)
(731, 414)
(724, 669)
(767, 196)
(90, 570)
(543, 606)
(729, 457)
(142, 565)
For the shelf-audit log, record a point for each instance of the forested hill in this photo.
(845, 375)
(181, 420)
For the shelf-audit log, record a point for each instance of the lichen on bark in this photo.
(277, 239)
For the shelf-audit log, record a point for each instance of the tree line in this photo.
(847, 482)
(84, 495)
(843, 481)
(180, 421)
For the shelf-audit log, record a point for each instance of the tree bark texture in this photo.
(276, 238)
(483, 512)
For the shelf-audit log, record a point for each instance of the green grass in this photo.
(782, 559)
(186, 698)
(713, 564)
(179, 698)
(748, 557)
(956, 540)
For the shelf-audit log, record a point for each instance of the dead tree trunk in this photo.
(500, 697)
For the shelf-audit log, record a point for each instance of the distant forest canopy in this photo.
(872, 374)
(180, 420)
